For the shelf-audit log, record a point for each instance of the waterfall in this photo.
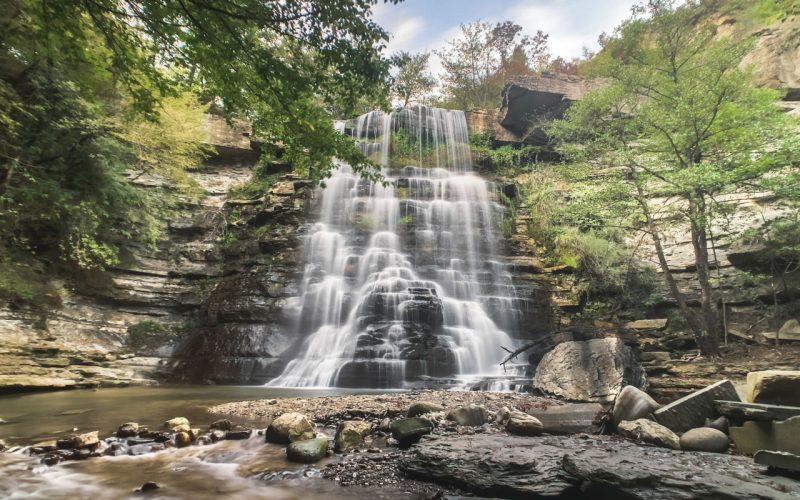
(399, 275)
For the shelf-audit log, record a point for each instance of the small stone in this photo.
(392, 442)
(351, 434)
(632, 404)
(65, 444)
(149, 486)
(522, 424)
(502, 415)
(182, 439)
(89, 439)
(423, 407)
(194, 434)
(203, 440)
(471, 416)
(385, 425)
(222, 424)
(128, 429)
(237, 435)
(217, 435)
(290, 427)
(705, 439)
(173, 423)
(648, 431)
(3, 445)
(81, 454)
(408, 430)
(308, 450)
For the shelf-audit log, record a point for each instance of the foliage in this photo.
(678, 120)
(411, 81)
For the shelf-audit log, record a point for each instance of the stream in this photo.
(231, 469)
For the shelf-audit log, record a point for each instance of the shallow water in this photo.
(228, 469)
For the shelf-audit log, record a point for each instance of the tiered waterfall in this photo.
(402, 279)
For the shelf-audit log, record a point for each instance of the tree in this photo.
(480, 61)
(411, 80)
(679, 121)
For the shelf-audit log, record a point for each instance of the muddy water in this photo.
(229, 469)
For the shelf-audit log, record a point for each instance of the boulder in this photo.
(237, 435)
(471, 416)
(522, 424)
(351, 434)
(148, 486)
(408, 430)
(182, 439)
(778, 460)
(777, 387)
(569, 418)
(290, 427)
(590, 370)
(422, 407)
(790, 330)
(632, 404)
(217, 435)
(705, 439)
(693, 409)
(129, 429)
(176, 422)
(87, 440)
(603, 467)
(222, 424)
(647, 431)
(307, 450)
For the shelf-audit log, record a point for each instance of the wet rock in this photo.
(471, 416)
(778, 387)
(182, 439)
(148, 486)
(692, 410)
(143, 449)
(44, 446)
(194, 433)
(128, 429)
(778, 460)
(522, 424)
(203, 441)
(408, 430)
(116, 450)
(422, 407)
(385, 425)
(571, 467)
(705, 439)
(632, 404)
(217, 435)
(81, 454)
(307, 451)
(290, 427)
(650, 432)
(569, 418)
(222, 424)
(233, 435)
(590, 370)
(65, 444)
(87, 440)
(351, 434)
(177, 422)
(3, 445)
(721, 424)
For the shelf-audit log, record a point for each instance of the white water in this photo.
(382, 258)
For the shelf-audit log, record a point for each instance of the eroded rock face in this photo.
(601, 467)
(591, 370)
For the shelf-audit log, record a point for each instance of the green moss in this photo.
(141, 333)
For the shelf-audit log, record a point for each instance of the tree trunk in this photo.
(672, 285)
(709, 344)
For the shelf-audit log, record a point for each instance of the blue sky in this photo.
(418, 25)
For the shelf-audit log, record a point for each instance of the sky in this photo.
(420, 25)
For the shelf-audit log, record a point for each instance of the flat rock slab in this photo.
(692, 410)
(600, 467)
(778, 459)
(738, 411)
(569, 418)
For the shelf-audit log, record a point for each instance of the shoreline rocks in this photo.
(290, 427)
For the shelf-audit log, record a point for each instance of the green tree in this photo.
(679, 120)
(411, 80)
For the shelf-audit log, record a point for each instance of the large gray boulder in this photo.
(589, 370)
(573, 467)
(307, 451)
(408, 430)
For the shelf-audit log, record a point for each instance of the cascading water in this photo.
(400, 275)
